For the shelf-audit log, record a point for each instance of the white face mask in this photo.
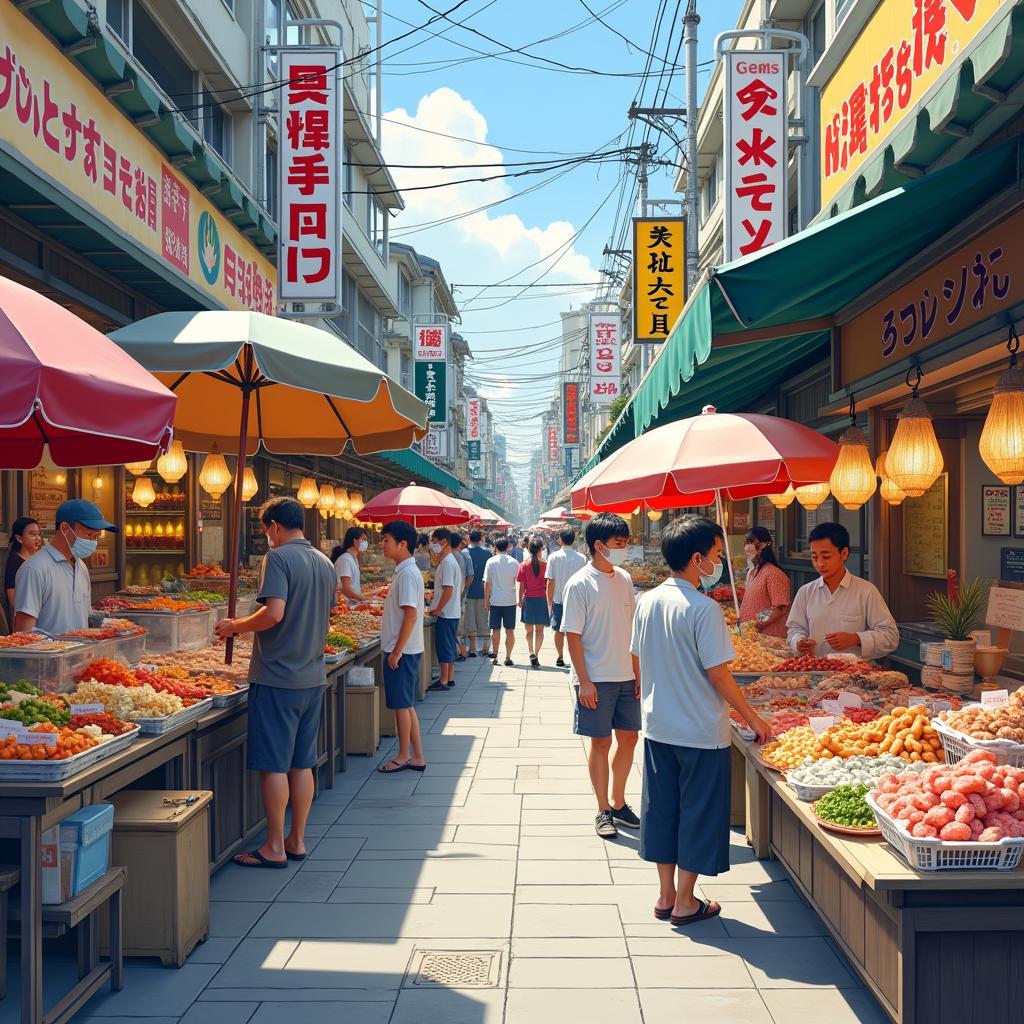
(615, 555)
(435, 549)
(363, 545)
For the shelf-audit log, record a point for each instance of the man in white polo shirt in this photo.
(500, 598)
(562, 564)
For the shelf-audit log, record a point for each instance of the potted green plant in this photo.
(957, 614)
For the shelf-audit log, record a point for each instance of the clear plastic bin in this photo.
(184, 631)
(49, 670)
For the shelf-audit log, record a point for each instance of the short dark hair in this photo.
(286, 512)
(603, 527)
(400, 531)
(455, 540)
(422, 538)
(684, 538)
(475, 536)
(21, 524)
(501, 544)
(442, 534)
(835, 532)
(567, 536)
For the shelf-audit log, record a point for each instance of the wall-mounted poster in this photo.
(1018, 518)
(926, 532)
(995, 510)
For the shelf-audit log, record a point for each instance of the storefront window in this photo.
(97, 485)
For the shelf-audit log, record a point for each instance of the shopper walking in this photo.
(423, 552)
(347, 564)
(563, 564)
(287, 676)
(500, 598)
(516, 548)
(401, 640)
(475, 617)
(458, 542)
(446, 607)
(681, 652)
(597, 616)
(533, 599)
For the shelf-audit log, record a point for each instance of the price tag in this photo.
(995, 698)
(819, 723)
(87, 709)
(46, 739)
(938, 706)
(833, 707)
(10, 727)
(850, 700)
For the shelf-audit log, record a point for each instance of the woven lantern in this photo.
(249, 484)
(355, 502)
(143, 494)
(783, 500)
(888, 491)
(326, 500)
(1002, 438)
(853, 478)
(137, 468)
(308, 494)
(812, 495)
(342, 502)
(654, 514)
(214, 477)
(914, 461)
(173, 465)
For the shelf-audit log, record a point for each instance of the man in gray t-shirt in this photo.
(287, 675)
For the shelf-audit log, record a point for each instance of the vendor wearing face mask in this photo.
(766, 597)
(53, 591)
(347, 565)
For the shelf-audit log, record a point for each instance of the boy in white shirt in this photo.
(500, 598)
(446, 608)
(562, 564)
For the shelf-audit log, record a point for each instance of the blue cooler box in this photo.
(85, 841)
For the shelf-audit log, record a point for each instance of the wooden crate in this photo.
(362, 719)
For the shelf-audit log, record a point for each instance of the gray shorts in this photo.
(474, 618)
(283, 727)
(617, 708)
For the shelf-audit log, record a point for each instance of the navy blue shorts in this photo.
(684, 818)
(617, 708)
(445, 642)
(283, 727)
(503, 616)
(556, 616)
(401, 685)
(535, 611)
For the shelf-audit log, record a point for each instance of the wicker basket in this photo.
(957, 746)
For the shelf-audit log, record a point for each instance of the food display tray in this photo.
(847, 830)
(57, 771)
(942, 855)
(173, 631)
(744, 678)
(229, 700)
(957, 746)
(158, 726)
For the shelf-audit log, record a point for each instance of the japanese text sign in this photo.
(659, 276)
(435, 444)
(899, 55)
(430, 384)
(756, 209)
(56, 124)
(430, 341)
(309, 148)
(473, 419)
(553, 459)
(571, 413)
(983, 278)
(605, 352)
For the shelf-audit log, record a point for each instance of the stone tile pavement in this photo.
(491, 851)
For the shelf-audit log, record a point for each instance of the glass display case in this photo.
(154, 529)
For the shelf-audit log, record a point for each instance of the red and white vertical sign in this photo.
(174, 219)
(430, 342)
(756, 209)
(473, 419)
(553, 459)
(605, 354)
(309, 155)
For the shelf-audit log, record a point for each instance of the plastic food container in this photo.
(170, 631)
(85, 842)
(53, 671)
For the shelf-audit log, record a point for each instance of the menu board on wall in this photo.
(926, 532)
(48, 488)
(995, 510)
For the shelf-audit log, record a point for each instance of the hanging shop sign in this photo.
(605, 352)
(552, 445)
(435, 444)
(430, 341)
(309, 148)
(572, 459)
(571, 413)
(659, 276)
(473, 429)
(430, 383)
(56, 123)
(978, 280)
(901, 52)
(756, 208)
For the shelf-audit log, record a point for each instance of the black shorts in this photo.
(401, 685)
(503, 616)
(283, 727)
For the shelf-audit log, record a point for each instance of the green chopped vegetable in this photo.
(846, 805)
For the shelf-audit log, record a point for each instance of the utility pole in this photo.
(690, 22)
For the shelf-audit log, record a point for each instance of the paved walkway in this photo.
(491, 851)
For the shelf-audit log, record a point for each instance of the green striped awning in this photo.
(422, 469)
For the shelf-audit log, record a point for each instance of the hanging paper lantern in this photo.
(914, 461)
(355, 502)
(888, 491)
(308, 493)
(853, 478)
(249, 485)
(342, 501)
(812, 495)
(173, 465)
(654, 514)
(137, 468)
(1002, 437)
(783, 500)
(214, 477)
(326, 500)
(143, 494)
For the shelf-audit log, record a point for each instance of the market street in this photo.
(492, 850)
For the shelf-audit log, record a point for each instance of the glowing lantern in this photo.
(783, 500)
(249, 485)
(143, 494)
(889, 491)
(853, 478)
(308, 494)
(812, 495)
(1002, 437)
(173, 465)
(214, 477)
(137, 468)
(914, 461)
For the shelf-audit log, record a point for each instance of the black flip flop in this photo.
(385, 770)
(703, 914)
(437, 688)
(416, 767)
(294, 856)
(508, 661)
(261, 861)
(663, 915)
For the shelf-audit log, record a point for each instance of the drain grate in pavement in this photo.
(454, 968)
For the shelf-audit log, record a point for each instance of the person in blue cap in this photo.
(55, 594)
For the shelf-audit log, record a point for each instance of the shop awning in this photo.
(751, 321)
(422, 469)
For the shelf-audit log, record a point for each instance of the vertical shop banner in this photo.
(553, 459)
(430, 341)
(435, 444)
(571, 413)
(605, 352)
(756, 208)
(174, 220)
(474, 432)
(309, 151)
(430, 384)
(659, 276)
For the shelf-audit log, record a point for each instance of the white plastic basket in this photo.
(957, 746)
(808, 793)
(940, 855)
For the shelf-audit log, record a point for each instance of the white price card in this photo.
(45, 739)
(995, 698)
(87, 709)
(819, 723)
(850, 700)
(833, 707)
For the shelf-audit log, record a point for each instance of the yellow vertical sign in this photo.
(659, 276)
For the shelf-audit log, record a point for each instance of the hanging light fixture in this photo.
(654, 514)
(308, 494)
(325, 513)
(355, 502)
(249, 485)
(137, 468)
(326, 500)
(889, 492)
(1002, 437)
(173, 464)
(342, 502)
(914, 461)
(347, 515)
(143, 494)
(783, 500)
(812, 495)
(853, 477)
(214, 477)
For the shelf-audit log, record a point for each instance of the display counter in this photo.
(931, 946)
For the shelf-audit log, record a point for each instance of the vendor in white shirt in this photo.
(347, 565)
(839, 611)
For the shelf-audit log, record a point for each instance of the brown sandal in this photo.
(708, 909)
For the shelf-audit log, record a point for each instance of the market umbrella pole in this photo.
(728, 554)
(236, 519)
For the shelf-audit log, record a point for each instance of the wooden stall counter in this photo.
(943, 945)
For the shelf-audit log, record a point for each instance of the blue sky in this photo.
(501, 107)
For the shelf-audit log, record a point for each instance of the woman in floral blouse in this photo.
(767, 586)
